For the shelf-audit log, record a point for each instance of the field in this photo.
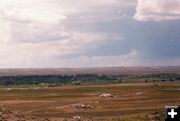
(129, 101)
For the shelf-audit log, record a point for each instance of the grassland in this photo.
(136, 100)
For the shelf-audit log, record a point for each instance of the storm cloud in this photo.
(59, 33)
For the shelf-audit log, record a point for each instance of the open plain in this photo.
(129, 101)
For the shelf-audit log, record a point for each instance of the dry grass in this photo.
(55, 102)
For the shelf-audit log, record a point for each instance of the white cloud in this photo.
(43, 54)
(38, 32)
(157, 10)
(129, 59)
(94, 11)
(33, 32)
(30, 11)
(118, 37)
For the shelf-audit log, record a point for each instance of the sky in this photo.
(89, 33)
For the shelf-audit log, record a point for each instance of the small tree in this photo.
(171, 79)
(120, 81)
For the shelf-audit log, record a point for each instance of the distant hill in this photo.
(99, 70)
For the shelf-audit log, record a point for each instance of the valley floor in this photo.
(127, 101)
